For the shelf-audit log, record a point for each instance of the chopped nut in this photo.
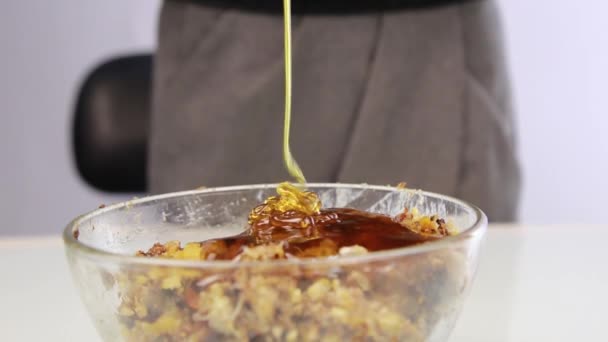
(339, 314)
(353, 250)
(192, 251)
(292, 336)
(171, 282)
(318, 289)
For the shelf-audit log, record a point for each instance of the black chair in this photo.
(110, 127)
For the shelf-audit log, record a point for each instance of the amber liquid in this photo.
(319, 235)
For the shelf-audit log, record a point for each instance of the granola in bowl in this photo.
(308, 301)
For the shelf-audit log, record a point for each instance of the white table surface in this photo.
(535, 283)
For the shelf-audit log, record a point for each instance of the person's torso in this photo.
(325, 6)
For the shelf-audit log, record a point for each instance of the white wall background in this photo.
(559, 61)
(558, 54)
(46, 49)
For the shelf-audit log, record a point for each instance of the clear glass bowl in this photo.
(407, 294)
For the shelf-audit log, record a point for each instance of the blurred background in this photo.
(558, 55)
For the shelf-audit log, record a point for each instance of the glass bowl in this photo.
(406, 294)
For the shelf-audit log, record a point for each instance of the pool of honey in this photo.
(318, 234)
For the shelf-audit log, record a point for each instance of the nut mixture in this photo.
(294, 302)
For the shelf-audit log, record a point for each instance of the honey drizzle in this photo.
(290, 163)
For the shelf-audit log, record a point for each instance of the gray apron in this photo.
(414, 95)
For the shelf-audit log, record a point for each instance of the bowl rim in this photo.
(475, 231)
